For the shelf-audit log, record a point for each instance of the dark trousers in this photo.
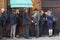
(37, 30)
(41, 27)
(26, 30)
(17, 29)
(33, 29)
(0, 30)
(4, 29)
(54, 28)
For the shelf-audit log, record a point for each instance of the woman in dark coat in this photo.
(19, 15)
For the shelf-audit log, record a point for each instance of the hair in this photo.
(13, 10)
(50, 9)
(35, 9)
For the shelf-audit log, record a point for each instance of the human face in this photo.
(49, 12)
(42, 12)
(2, 10)
(17, 11)
(46, 13)
(26, 10)
(36, 11)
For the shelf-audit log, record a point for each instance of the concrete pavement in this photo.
(40, 38)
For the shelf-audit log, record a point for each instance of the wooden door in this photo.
(3, 4)
(36, 4)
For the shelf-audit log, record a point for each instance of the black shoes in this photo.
(27, 37)
(50, 36)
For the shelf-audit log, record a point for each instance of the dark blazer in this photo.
(19, 18)
(42, 17)
(4, 17)
(26, 19)
(13, 19)
(0, 21)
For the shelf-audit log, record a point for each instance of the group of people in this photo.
(39, 20)
(16, 19)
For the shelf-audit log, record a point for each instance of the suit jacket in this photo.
(36, 17)
(26, 19)
(4, 17)
(0, 21)
(42, 17)
(13, 19)
(20, 18)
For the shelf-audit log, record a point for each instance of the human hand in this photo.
(46, 18)
(35, 23)
(43, 18)
(32, 21)
(54, 19)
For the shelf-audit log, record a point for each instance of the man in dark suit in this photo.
(26, 22)
(36, 18)
(41, 22)
(0, 27)
(4, 20)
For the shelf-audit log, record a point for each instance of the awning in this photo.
(21, 3)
